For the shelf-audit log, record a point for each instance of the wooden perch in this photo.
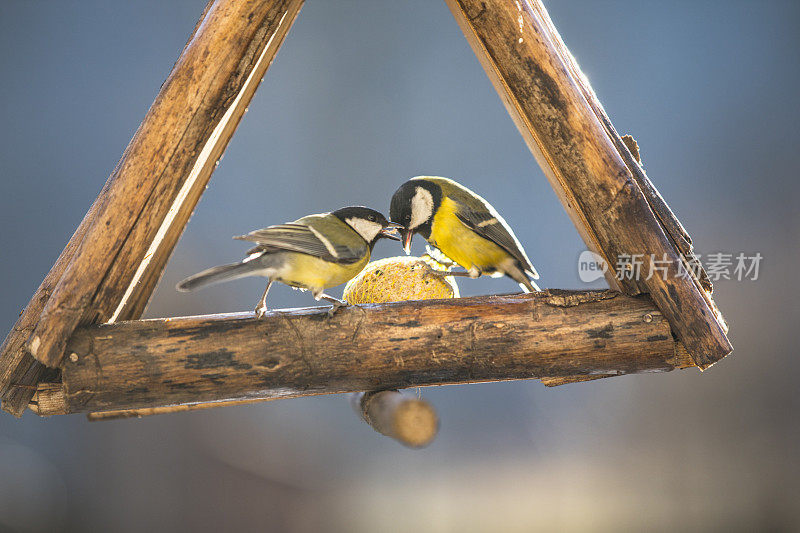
(590, 168)
(409, 420)
(386, 280)
(162, 362)
(109, 268)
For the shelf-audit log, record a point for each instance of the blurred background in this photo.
(363, 95)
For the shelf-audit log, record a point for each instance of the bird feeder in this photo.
(80, 346)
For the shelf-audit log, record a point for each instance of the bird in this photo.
(462, 227)
(312, 253)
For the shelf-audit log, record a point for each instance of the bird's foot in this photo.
(261, 308)
(466, 274)
(337, 304)
(473, 273)
(335, 307)
(435, 271)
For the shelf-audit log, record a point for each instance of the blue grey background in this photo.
(363, 95)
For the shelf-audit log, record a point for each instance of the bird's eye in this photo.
(371, 218)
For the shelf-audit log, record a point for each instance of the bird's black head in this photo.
(368, 223)
(413, 205)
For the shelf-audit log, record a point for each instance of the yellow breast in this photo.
(309, 272)
(461, 244)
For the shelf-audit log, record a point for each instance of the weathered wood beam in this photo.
(162, 362)
(19, 371)
(165, 410)
(149, 197)
(49, 400)
(391, 279)
(546, 96)
(628, 149)
(198, 121)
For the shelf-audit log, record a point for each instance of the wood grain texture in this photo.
(149, 197)
(156, 363)
(519, 49)
(165, 410)
(386, 280)
(49, 400)
(628, 151)
(19, 371)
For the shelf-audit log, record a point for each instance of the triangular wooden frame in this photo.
(110, 267)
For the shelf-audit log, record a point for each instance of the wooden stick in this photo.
(167, 409)
(19, 371)
(155, 363)
(633, 160)
(517, 46)
(49, 400)
(628, 150)
(410, 421)
(566, 380)
(390, 279)
(150, 195)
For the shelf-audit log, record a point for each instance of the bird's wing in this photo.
(303, 239)
(490, 225)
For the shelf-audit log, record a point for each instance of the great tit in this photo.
(464, 227)
(312, 253)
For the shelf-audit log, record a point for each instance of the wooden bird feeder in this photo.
(79, 345)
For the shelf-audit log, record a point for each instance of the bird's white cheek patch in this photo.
(365, 228)
(421, 207)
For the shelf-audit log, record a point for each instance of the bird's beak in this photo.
(406, 235)
(390, 231)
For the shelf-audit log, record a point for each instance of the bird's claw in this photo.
(436, 272)
(335, 307)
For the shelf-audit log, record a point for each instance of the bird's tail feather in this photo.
(523, 277)
(529, 286)
(216, 275)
